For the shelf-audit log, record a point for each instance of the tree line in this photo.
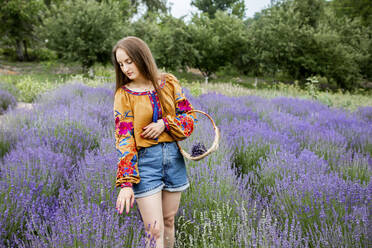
(293, 39)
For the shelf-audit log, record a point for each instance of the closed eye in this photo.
(127, 61)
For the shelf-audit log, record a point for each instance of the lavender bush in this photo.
(288, 173)
(7, 101)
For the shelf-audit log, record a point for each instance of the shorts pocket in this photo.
(175, 151)
(142, 152)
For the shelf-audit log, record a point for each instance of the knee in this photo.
(169, 221)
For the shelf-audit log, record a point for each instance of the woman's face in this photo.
(127, 66)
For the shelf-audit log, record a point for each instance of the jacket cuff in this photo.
(166, 123)
(126, 184)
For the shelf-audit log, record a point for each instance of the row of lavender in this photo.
(289, 173)
(308, 167)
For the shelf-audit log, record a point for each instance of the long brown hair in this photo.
(140, 54)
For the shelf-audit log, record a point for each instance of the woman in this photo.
(150, 115)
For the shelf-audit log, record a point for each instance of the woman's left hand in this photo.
(153, 130)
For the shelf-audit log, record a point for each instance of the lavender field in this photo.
(288, 173)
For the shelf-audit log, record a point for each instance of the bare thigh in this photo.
(171, 202)
(151, 210)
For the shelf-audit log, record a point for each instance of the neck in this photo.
(141, 82)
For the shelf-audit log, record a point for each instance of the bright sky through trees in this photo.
(180, 8)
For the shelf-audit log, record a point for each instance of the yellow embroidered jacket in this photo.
(135, 110)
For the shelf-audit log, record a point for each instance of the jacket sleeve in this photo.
(180, 125)
(127, 165)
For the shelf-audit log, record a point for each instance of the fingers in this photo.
(118, 205)
(153, 130)
(125, 202)
(147, 130)
(150, 133)
(121, 207)
(156, 134)
(127, 205)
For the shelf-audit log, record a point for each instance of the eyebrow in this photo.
(124, 60)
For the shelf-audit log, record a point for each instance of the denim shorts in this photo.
(161, 167)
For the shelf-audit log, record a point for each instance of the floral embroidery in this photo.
(127, 166)
(186, 123)
(182, 124)
(155, 102)
(124, 127)
(126, 149)
(180, 95)
(184, 105)
(126, 184)
(166, 123)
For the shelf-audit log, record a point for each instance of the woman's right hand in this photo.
(125, 197)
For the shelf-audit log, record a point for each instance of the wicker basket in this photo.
(214, 146)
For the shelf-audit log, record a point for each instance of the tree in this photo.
(361, 9)
(207, 57)
(353, 9)
(310, 11)
(152, 6)
(18, 21)
(235, 7)
(168, 38)
(156, 5)
(234, 41)
(84, 30)
(172, 43)
(217, 42)
(333, 48)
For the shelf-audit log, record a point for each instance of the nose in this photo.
(125, 68)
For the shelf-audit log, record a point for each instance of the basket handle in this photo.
(215, 142)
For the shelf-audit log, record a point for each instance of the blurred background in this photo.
(252, 42)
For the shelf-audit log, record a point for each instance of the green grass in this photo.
(49, 74)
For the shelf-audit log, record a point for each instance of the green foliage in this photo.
(309, 11)
(18, 20)
(7, 101)
(235, 7)
(233, 38)
(7, 142)
(357, 173)
(217, 44)
(246, 159)
(221, 219)
(289, 38)
(155, 5)
(43, 54)
(29, 90)
(292, 40)
(361, 12)
(206, 44)
(84, 30)
(354, 9)
(312, 87)
(168, 38)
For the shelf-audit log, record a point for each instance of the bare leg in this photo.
(171, 202)
(151, 210)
